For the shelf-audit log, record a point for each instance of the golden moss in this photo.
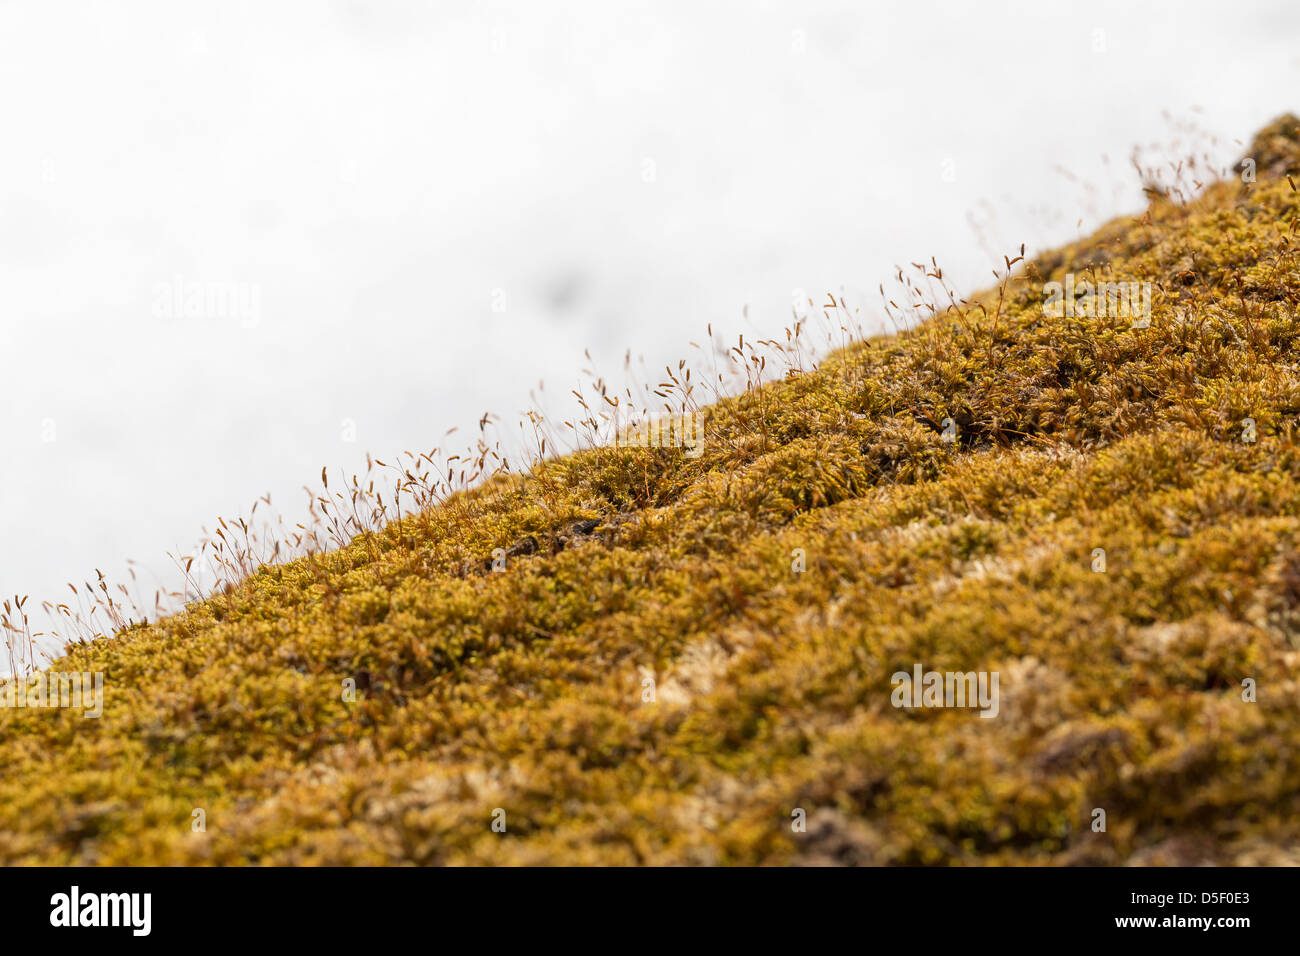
(681, 653)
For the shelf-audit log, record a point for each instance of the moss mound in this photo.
(650, 679)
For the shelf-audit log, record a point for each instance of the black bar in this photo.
(613, 907)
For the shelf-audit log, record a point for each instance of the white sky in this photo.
(375, 171)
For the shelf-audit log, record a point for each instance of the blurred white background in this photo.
(619, 173)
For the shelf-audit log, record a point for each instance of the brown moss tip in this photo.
(1276, 148)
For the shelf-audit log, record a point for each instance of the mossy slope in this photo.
(523, 690)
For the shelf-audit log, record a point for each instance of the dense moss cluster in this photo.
(652, 680)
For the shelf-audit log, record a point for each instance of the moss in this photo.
(682, 653)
